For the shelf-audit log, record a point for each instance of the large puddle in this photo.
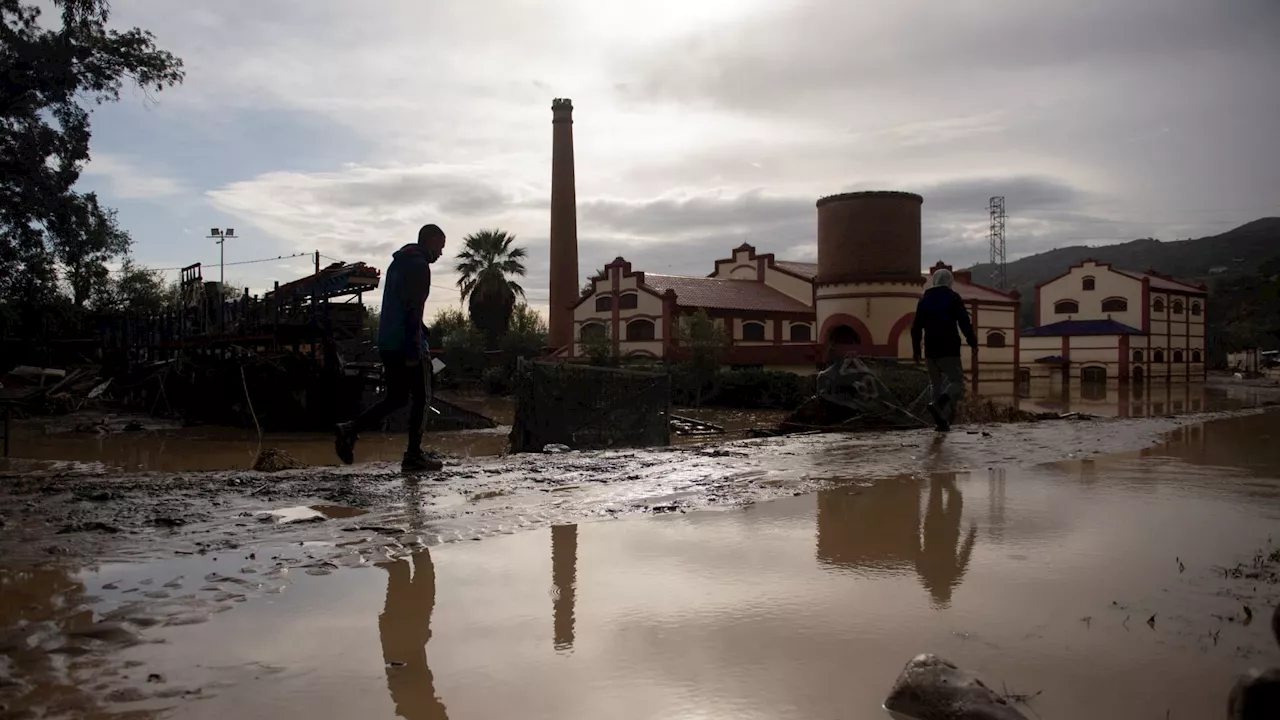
(195, 449)
(1106, 588)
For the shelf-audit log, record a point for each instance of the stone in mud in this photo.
(107, 632)
(555, 448)
(275, 460)
(931, 688)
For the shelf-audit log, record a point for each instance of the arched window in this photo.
(1137, 373)
(1157, 356)
(753, 331)
(604, 303)
(1137, 356)
(1177, 356)
(1115, 305)
(1158, 305)
(1093, 375)
(592, 331)
(1177, 307)
(995, 338)
(845, 335)
(1024, 376)
(1196, 309)
(801, 333)
(1087, 284)
(629, 301)
(1195, 356)
(639, 330)
(1066, 307)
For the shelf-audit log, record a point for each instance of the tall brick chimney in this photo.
(564, 226)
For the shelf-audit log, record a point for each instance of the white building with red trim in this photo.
(1098, 324)
(769, 309)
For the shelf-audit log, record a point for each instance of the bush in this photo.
(745, 388)
(497, 380)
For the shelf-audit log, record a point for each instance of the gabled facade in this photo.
(768, 308)
(1099, 324)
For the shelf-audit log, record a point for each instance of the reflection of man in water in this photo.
(405, 628)
(938, 564)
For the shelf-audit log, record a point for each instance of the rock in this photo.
(930, 688)
(275, 460)
(555, 448)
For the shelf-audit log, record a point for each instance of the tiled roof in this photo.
(725, 294)
(969, 291)
(1159, 283)
(803, 269)
(1082, 327)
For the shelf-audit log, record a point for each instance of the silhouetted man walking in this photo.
(402, 343)
(938, 314)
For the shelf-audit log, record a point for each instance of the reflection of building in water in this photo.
(996, 502)
(879, 529)
(405, 627)
(564, 575)
(1111, 400)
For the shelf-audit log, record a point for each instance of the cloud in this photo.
(701, 126)
(129, 180)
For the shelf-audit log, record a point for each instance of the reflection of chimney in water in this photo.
(564, 572)
(564, 226)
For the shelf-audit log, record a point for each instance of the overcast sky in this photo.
(344, 126)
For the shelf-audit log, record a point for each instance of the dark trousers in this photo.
(946, 376)
(407, 381)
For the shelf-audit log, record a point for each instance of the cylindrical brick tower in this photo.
(564, 226)
(869, 273)
(869, 237)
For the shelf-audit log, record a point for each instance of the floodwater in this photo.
(1099, 586)
(1150, 400)
(166, 448)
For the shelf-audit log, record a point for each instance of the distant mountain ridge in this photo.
(1232, 254)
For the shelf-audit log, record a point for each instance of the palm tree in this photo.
(487, 263)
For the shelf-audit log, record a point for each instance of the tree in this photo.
(446, 322)
(599, 350)
(702, 347)
(135, 288)
(590, 285)
(487, 263)
(52, 78)
(527, 335)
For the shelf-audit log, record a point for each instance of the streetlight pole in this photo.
(221, 237)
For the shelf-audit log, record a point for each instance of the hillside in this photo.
(1240, 251)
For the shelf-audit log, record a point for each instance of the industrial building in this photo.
(1098, 325)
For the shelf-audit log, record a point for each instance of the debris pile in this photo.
(275, 460)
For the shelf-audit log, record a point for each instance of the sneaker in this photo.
(344, 442)
(418, 462)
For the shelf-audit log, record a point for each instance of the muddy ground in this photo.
(86, 512)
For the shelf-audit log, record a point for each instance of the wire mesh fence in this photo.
(587, 407)
(866, 392)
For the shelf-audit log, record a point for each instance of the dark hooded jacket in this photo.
(405, 287)
(938, 314)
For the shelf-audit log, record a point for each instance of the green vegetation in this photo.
(465, 349)
(1244, 312)
(703, 346)
(487, 264)
(1234, 254)
(56, 242)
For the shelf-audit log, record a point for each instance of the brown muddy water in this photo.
(1109, 588)
(163, 447)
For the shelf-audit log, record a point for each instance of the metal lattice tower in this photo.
(999, 278)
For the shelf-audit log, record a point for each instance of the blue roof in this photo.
(1083, 327)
